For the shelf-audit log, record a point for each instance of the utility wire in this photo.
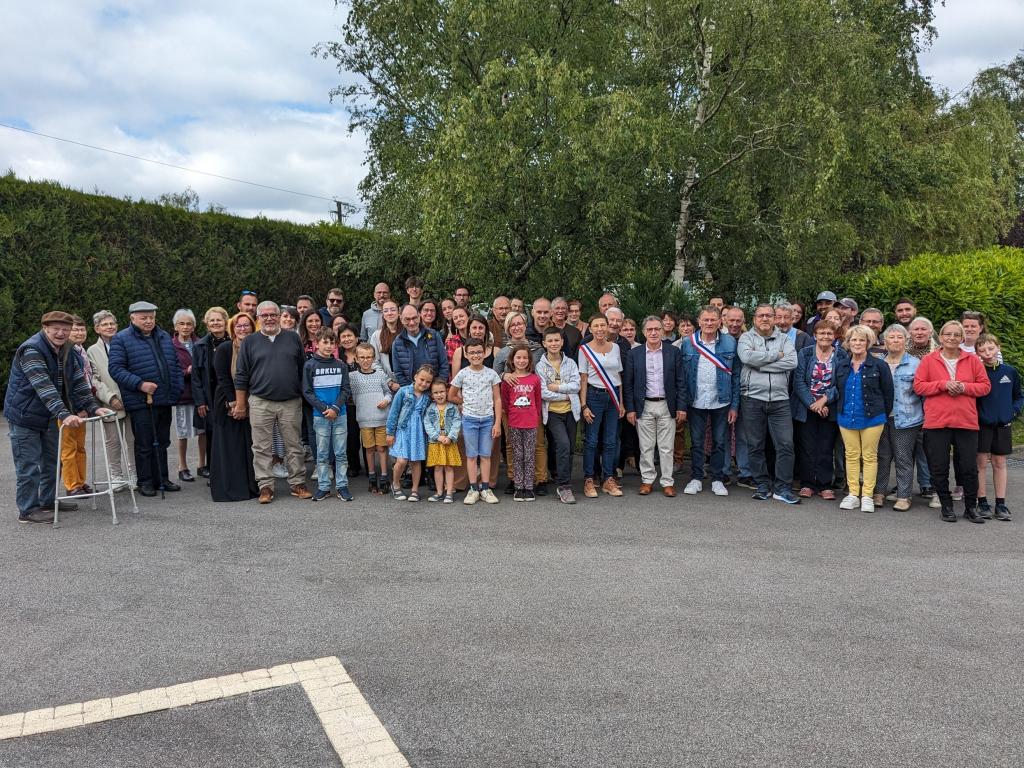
(172, 165)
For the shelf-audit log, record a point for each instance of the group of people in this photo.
(796, 403)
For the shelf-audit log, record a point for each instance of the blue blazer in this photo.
(728, 384)
(634, 379)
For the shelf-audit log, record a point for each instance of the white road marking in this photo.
(359, 738)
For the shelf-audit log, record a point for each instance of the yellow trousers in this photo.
(862, 458)
(72, 457)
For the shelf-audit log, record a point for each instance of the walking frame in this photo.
(111, 487)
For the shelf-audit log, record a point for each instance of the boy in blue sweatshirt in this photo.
(325, 387)
(996, 411)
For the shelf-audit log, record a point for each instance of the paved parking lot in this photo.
(655, 632)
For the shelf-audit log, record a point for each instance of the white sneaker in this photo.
(315, 474)
(718, 488)
(867, 504)
(472, 496)
(119, 483)
(850, 502)
(279, 470)
(935, 502)
(488, 495)
(693, 487)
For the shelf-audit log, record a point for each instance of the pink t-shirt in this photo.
(522, 402)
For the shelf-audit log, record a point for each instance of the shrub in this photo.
(944, 285)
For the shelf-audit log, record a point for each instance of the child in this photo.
(442, 424)
(405, 435)
(371, 392)
(325, 387)
(476, 389)
(522, 402)
(995, 412)
(560, 392)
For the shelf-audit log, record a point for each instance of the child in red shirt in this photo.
(522, 402)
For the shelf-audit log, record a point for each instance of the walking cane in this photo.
(156, 446)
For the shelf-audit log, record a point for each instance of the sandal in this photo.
(436, 497)
(413, 497)
(398, 494)
(449, 498)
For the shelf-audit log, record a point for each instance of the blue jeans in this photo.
(476, 435)
(698, 419)
(742, 451)
(331, 435)
(606, 416)
(35, 466)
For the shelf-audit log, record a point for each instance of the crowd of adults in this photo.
(804, 402)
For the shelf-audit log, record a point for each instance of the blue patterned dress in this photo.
(410, 439)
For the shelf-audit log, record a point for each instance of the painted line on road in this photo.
(359, 738)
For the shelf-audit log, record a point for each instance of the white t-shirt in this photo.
(610, 360)
(477, 395)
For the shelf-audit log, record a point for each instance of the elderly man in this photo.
(107, 392)
(145, 366)
(372, 316)
(874, 319)
(733, 320)
(499, 311)
(268, 389)
(615, 318)
(571, 337)
(654, 391)
(334, 306)
(606, 301)
(415, 346)
(768, 357)
(784, 322)
(713, 382)
(46, 385)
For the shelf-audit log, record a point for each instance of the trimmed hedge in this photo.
(944, 285)
(63, 249)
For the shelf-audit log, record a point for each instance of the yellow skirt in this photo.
(444, 455)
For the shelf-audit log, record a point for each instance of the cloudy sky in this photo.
(231, 88)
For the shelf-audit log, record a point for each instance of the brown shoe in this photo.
(589, 489)
(901, 505)
(669, 490)
(301, 492)
(266, 495)
(611, 487)
(645, 488)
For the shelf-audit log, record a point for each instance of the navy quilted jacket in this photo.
(135, 358)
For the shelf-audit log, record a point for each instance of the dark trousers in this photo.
(144, 427)
(964, 443)
(777, 417)
(562, 437)
(629, 444)
(817, 440)
(699, 419)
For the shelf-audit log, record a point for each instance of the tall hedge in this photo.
(63, 249)
(944, 285)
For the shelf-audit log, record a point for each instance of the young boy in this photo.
(372, 397)
(477, 390)
(325, 387)
(996, 411)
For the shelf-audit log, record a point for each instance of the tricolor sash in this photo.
(601, 374)
(708, 355)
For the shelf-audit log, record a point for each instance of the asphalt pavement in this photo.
(617, 632)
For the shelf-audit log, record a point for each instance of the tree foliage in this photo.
(766, 144)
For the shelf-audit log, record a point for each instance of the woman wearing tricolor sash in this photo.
(600, 364)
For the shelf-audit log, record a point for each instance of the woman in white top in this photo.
(600, 364)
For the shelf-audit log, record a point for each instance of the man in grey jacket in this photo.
(768, 356)
(372, 316)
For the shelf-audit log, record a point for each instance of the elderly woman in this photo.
(185, 341)
(216, 322)
(922, 342)
(951, 380)
(865, 398)
(813, 404)
(232, 477)
(899, 439)
(107, 392)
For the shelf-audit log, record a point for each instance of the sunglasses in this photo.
(335, 301)
(248, 293)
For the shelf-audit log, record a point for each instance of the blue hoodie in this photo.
(1004, 402)
(325, 384)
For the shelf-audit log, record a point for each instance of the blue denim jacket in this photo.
(402, 408)
(908, 407)
(432, 422)
(728, 384)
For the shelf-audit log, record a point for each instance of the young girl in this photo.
(405, 435)
(522, 402)
(442, 423)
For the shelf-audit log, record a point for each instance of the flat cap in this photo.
(57, 317)
(142, 306)
(826, 296)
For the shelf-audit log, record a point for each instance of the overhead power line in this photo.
(172, 165)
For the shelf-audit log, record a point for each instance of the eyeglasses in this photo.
(762, 316)
(268, 315)
(951, 335)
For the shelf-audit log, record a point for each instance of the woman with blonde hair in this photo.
(232, 477)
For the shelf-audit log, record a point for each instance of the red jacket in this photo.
(941, 409)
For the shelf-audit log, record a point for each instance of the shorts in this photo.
(996, 439)
(373, 437)
(476, 433)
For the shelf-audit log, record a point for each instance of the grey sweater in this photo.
(271, 370)
(368, 389)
